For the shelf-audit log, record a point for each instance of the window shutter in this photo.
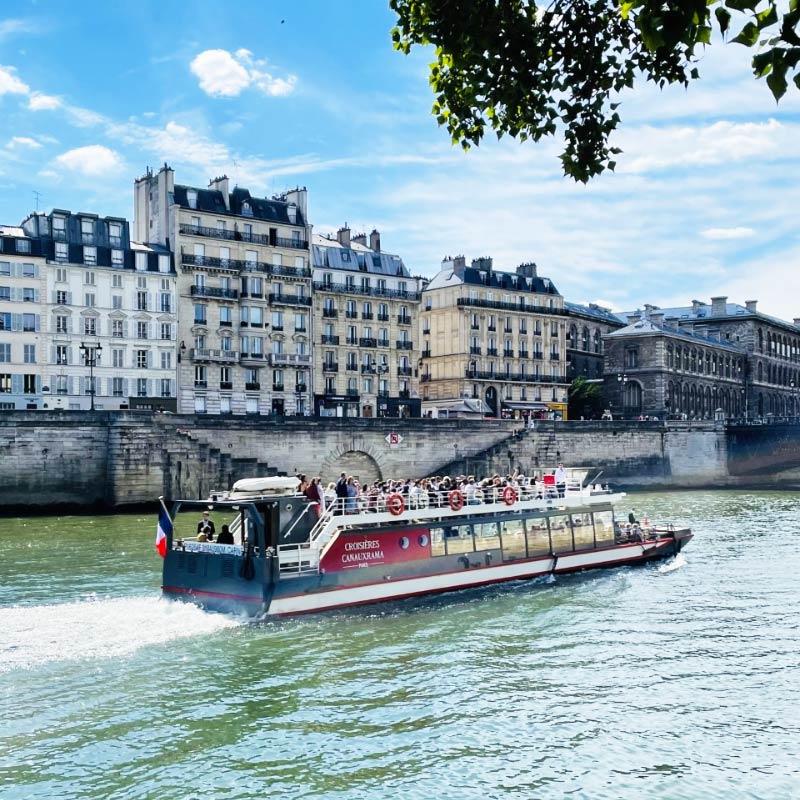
(52, 354)
(81, 385)
(125, 387)
(125, 329)
(16, 384)
(36, 295)
(69, 298)
(38, 384)
(16, 322)
(69, 354)
(70, 384)
(38, 323)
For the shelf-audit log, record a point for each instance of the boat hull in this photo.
(325, 592)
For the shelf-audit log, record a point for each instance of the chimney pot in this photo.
(750, 305)
(375, 241)
(343, 236)
(719, 306)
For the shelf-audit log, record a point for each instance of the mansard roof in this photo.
(212, 201)
(329, 253)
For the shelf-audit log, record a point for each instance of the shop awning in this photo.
(523, 406)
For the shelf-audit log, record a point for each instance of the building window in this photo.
(117, 358)
(29, 322)
(117, 328)
(117, 259)
(62, 356)
(89, 300)
(142, 359)
(90, 255)
(62, 252)
(141, 330)
(141, 387)
(141, 262)
(23, 246)
(163, 263)
(199, 314)
(141, 301)
(632, 357)
(117, 387)
(5, 353)
(5, 383)
(90, 326)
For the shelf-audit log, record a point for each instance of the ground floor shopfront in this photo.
(328, 405)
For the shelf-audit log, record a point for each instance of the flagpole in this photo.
(161, 500)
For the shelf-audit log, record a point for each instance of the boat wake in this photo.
(676, 563)
(97, 627)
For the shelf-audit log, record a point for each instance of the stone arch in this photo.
(359, 463)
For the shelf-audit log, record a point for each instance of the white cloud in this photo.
(727, 233)
(11, 26)
(225, 74)
(10, 83)
(23, 141)
(93, 160)
(43, 102)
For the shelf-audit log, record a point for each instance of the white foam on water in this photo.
(97, 627)
(676, 563)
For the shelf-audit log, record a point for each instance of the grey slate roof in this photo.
(703, 314)
(501, 281)
(595, 312)
(212, 201)
(646, 327)
(329, 253)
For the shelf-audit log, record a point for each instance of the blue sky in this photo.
(311, 93)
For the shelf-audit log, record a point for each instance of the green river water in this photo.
(676, 680)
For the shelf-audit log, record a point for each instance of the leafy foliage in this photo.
(585, 399)
(529, 71)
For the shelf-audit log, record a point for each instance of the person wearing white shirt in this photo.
(561, 480)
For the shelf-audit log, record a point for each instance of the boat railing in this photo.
(298, 559)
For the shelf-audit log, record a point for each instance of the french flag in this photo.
(164, 529)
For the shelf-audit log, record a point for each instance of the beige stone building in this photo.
(498, 337)
(244, 293)
(366, 314)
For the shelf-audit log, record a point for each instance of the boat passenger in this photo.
(561, 480)
(351, 496)
(225, 536)
(206, 527)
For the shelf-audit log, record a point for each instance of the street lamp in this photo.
(90, 358)
(622, 381)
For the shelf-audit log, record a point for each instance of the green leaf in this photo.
(723, 18)
(777, 81)
(748, 35)
(762, 64)
(767, 17)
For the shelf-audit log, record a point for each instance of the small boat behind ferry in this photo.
(277, 553)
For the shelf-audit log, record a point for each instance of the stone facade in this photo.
(244, 293)
(588, 324)
(495, 336)
(366, 314)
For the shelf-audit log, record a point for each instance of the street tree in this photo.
(531, 70)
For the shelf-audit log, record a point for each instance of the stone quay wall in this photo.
(90, 460)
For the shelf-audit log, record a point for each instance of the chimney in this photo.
(719, 306)
(220, 184)
(299, 197)
(657, 318)
(797, 321)
(360, 238)
(751, 305)
(634, 317)
(343, 235)
(527, 270)
(649, 308)
(697, 305)
(375, 241)
(483, 263)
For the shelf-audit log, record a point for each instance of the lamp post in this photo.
(90, 357)
(622, 381)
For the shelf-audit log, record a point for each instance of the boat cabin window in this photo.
(582, 531)
(451, 539)
(487, 536)
(604, 528)
(199, 527)
(538, 537)
(561, 533)
(512, 533)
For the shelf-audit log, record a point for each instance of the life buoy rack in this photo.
(395, 504)
(455, 500)
(509, 496)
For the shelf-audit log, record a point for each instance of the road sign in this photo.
(393, 439)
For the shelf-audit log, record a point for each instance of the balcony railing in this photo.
(300, 388)
(351, 341)
(425, 378)
(404, 393)
(237, 265)
(474, 351)
(289, 299)
(225, 385)
(199, 354)
(491, 351)
(329, 339)
(374, 369)
(252, 387)
(516, 377)
(500, 306)
(240, 236)
(404, 372)
(252, 356)
(214, 291)
(367, 342)
(555, 357)
(201, 384)
(368, 291)
(383, 317)
(330, 366)
(508, 354)
(291, 359)
(277, 387)
(351, 314)
(426, 354)
(403, 320)
(405, 345)
(330, 313)
(351, 366)
(383, 342)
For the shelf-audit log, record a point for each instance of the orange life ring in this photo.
(509, 496)
(456, 500)
(395, 504)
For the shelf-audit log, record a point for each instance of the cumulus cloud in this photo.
(225, 74)
(727, 233)
(10, 83)
(93, 160)
(43, 102)
(12, 26)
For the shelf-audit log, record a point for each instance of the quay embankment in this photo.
(102, 460)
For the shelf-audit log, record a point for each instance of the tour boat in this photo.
(290, 556)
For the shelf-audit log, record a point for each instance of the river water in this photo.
(678, 680)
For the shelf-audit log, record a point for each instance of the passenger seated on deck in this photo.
(225, 536)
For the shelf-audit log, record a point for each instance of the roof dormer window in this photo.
(191, 198)
(247, 210)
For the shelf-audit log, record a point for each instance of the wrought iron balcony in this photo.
(368, 291)
(289, 300)
(290, 359)
(214, 291)
(500, 306)
(330, 313)
(426, 354)
(474, 351)
(383, 317)
(405, 372)
(405, 345)
(425, 377)
(277, 387)
(238, 265)
(367, 342)
(240, 236)
(329, 339)
(252, 387)
(330, 366)
(491, 351)
(516, 377)
(199, 354)
(403, 320)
